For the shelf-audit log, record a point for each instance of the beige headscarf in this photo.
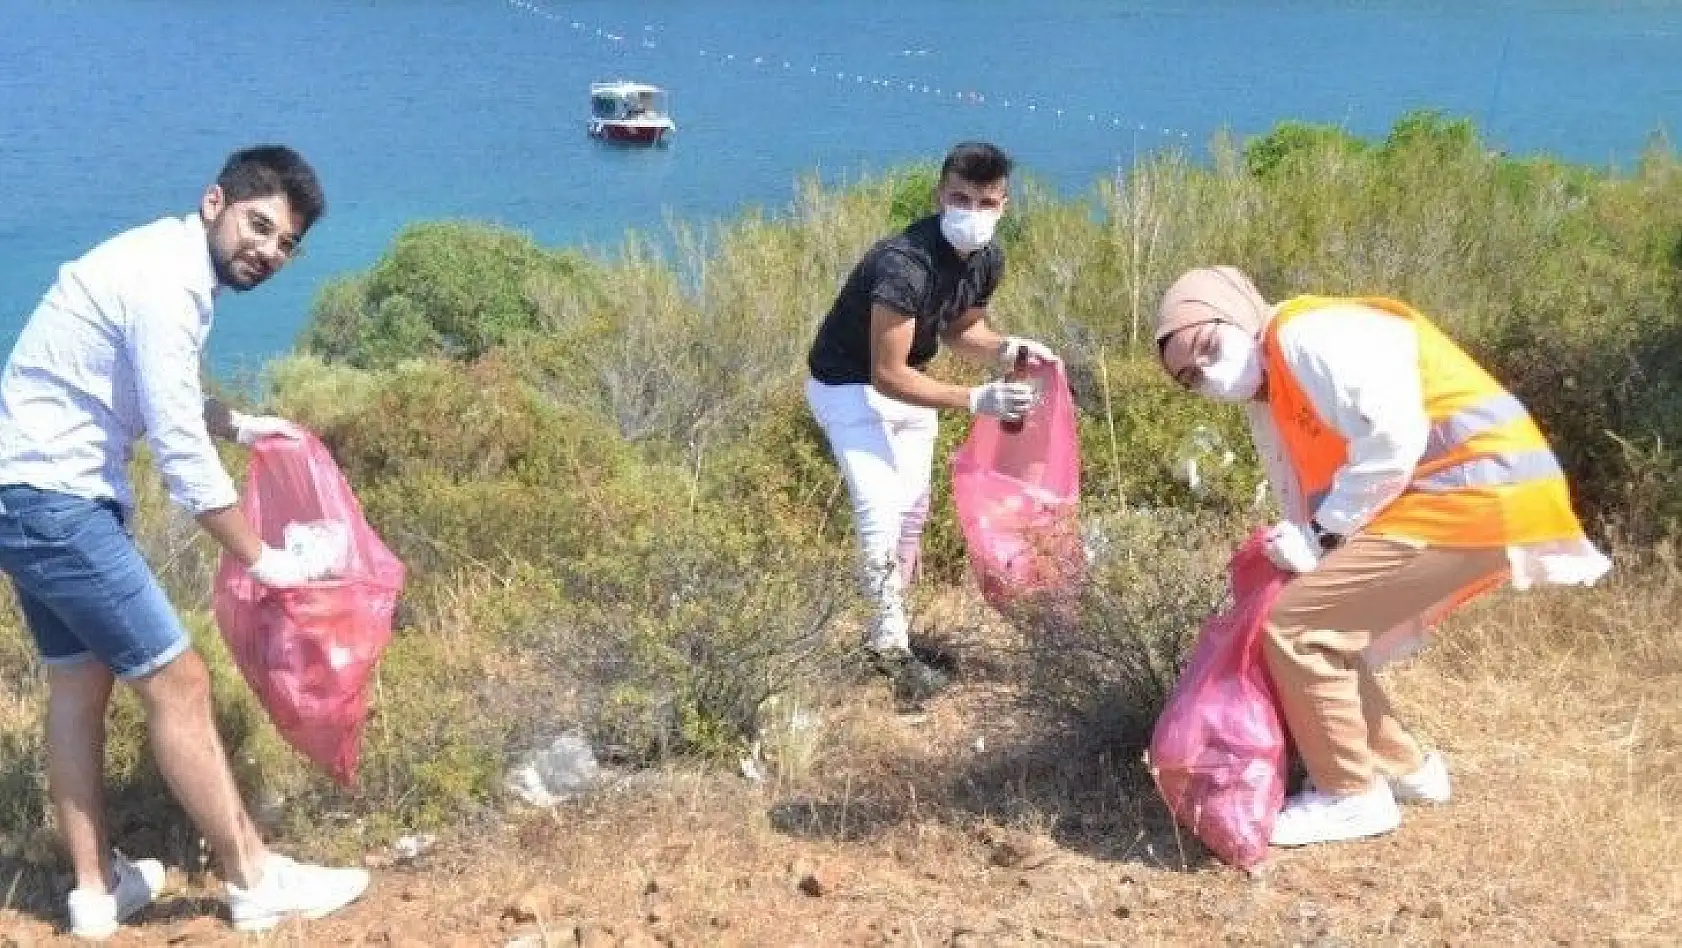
(1208, 295)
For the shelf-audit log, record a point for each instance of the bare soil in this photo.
(965, 824)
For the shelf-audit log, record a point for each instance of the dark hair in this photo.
(976, 162)
(267, 170)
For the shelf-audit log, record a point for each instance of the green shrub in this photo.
(319, 394)
(684, 631)
(469, 422)
(1145, 441)
(774, 465)
(1305, 142)
(911, 195)
(446, 706)
(1430, 131)
(446, 289)
(1105, 667)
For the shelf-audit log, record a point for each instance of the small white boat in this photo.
(629, 113)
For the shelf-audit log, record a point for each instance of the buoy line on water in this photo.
(1021, 104)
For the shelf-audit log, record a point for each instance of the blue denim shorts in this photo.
(83, 587)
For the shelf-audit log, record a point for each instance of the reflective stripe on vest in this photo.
(1495, 470)
(1462, 426)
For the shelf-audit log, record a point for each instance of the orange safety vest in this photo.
(1487, 477)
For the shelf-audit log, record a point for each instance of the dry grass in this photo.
(965, 826)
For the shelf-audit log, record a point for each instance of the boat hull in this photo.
(627, 133)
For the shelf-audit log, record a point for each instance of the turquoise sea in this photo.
(115, 112)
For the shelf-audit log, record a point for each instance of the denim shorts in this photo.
(83, 587)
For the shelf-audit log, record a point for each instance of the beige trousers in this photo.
(1339, 718)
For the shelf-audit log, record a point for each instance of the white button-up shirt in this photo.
(111, 354)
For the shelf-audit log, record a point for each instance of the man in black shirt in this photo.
(926, 285)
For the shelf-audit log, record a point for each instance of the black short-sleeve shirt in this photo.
(915, 272)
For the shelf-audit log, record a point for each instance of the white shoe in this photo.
(1316, 817)
(290, 889)
(95, 915)
(1428, 784)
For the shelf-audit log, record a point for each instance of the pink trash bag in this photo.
(1018, 495)
(1219, 750)
(309, 652)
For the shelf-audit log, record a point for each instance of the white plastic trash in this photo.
(322, 545)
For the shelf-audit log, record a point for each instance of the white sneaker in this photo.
(95, 915)
(1316, 817)
(290, 889)
(1428, 784)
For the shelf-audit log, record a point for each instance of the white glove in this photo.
(281, 569)
(1292, 547)
(1014, 344)
(249, 429)
(1005, 400)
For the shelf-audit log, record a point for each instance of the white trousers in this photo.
(885, 450)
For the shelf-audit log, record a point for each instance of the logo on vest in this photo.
(1307, 422)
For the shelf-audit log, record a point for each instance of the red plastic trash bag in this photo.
(309, 652)
(1018, 495)
(1219, 750)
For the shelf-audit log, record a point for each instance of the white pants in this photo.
(885, 450)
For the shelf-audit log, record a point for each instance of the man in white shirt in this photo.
(112, 354)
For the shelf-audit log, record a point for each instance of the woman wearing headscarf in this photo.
(1410, 481)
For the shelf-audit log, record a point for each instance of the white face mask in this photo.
(1236, 373)
(968, 230)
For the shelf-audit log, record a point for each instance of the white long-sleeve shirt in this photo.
(111, 354)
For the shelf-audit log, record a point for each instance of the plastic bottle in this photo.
(1018, 373)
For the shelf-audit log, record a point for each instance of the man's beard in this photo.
(222, 263)
(225, 276)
